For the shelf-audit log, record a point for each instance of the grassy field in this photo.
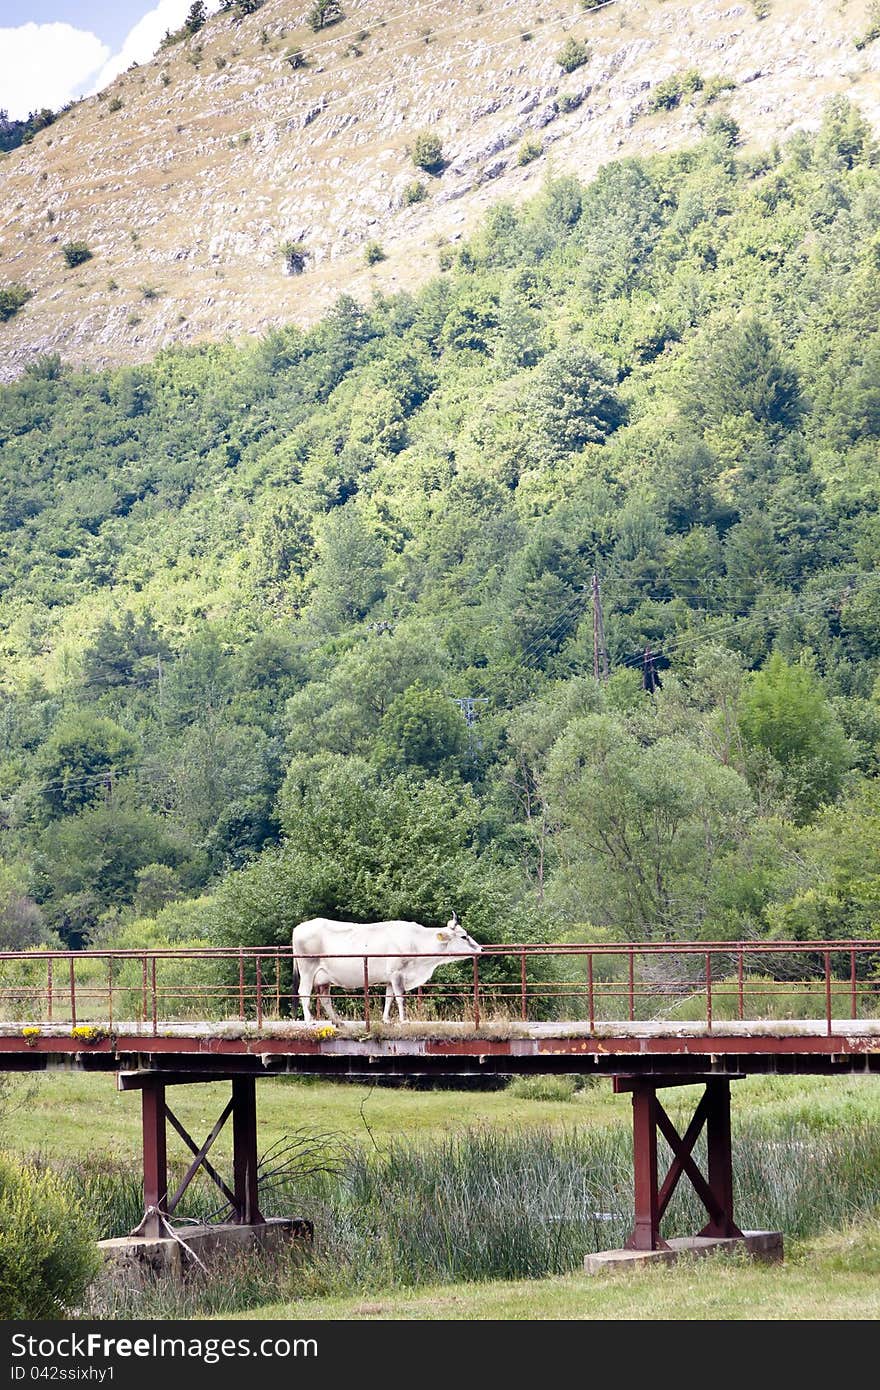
(491, 1165)
(69, 1114)
(831, 1277)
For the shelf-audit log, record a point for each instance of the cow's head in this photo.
(456, 938)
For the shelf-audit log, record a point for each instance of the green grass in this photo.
(451, 1192)
(69, 1113)
(830, 1277)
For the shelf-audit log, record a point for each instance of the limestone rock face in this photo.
(222, 152)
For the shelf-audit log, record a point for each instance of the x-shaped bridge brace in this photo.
(242, 1196)
(715, 1190)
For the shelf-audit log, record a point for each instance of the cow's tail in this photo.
(294, 989)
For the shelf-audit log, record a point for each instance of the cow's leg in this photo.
(306, 980)
(397, 986)
(389, 995)
(326, 1001)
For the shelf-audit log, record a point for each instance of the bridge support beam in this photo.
(155, 1159)
(652, 1197)
(243, 1196)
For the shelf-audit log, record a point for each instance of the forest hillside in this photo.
(247, 592)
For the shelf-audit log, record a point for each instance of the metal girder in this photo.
(243, 1197)
(714, 1191)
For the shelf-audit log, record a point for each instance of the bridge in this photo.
(648, 1016)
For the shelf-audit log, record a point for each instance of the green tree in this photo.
(196, 17)
(422, 728)
(645, 829)
(743, 374)
(83, 759)
(785, 715)
(363, 848)
(572, 402)
(349, 575)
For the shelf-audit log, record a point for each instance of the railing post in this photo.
(49, 985)
(828, 993)
(241, 983)
(523, 1008)
(590, 992)
(854, 999)
(366, 991)
(110, 991)
(476, 991)
(632, 996)
(144, 991)
(259, 994)
(709, 991)
(278, 984)
(155, 998)
(72, 995)
(739, 981)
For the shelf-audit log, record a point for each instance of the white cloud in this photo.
(46, 65)
(142, 41)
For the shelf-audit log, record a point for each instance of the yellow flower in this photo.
(325, 1031)
(88, 1034)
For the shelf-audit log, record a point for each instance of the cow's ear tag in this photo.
(442, 936)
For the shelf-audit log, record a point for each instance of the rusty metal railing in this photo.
(596, 983)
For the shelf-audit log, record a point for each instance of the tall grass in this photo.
(489, 1205)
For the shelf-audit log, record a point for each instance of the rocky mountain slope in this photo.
(187, 177)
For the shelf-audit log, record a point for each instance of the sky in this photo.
(53, 51)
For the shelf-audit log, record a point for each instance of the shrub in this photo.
(75, 252)
(324, 13)
(529, 149)
(115, 104)
(149, 292)
(592, 4)
(526, 36)
(568, 101)
(761, 8)
(715, 87)
(427, 152)
(294, 254)
(48, 1255)
(415, 192)
(724, 127)
(668, 93)
(873, 30)
(12, 297)
(296, 58)
(573, 54)
(373, 253)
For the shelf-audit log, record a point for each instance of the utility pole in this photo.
(650, 675)
(468, 706)
(600, 654)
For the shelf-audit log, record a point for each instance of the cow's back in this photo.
(336, 950)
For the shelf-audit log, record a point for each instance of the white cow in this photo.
(402, 956)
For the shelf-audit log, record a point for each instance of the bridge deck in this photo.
(200, 1050)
